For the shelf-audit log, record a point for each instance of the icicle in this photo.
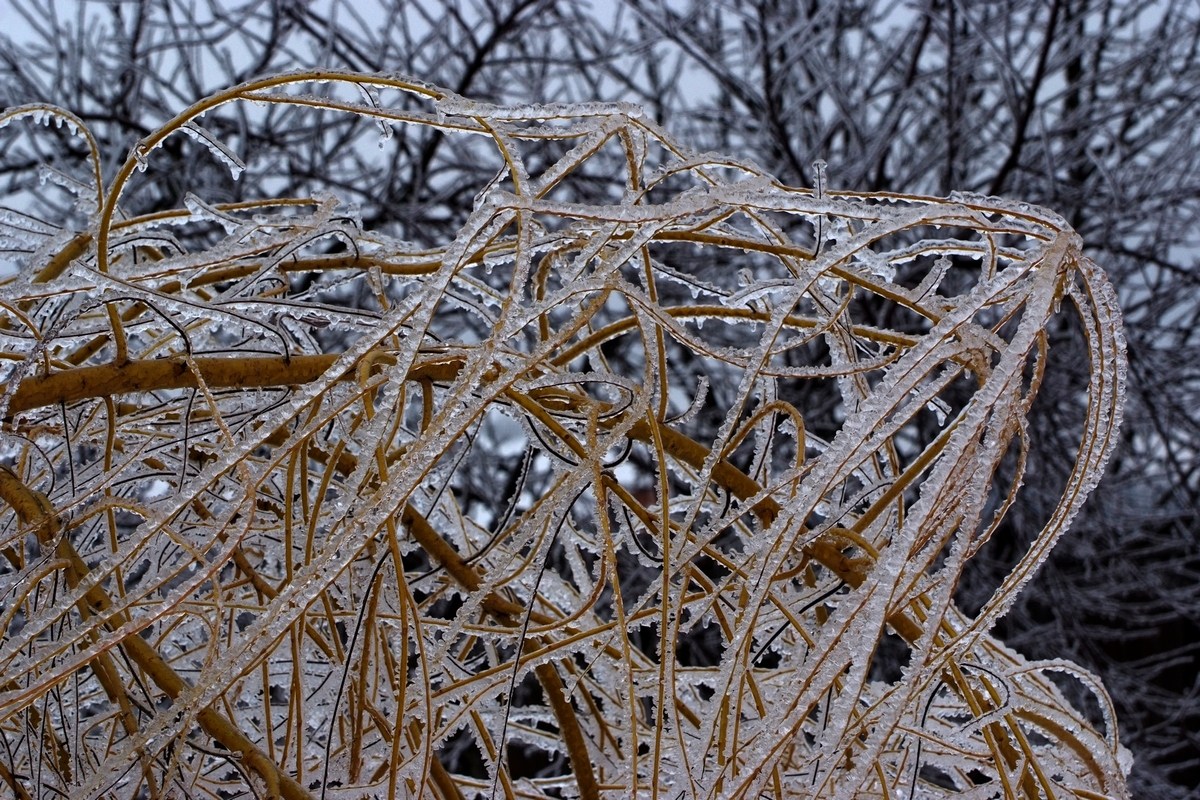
(818, 168)
(940, 409)
(140, 155)
(372, 97)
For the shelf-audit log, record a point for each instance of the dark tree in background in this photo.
(1089, 107)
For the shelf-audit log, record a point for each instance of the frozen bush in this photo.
(667, 494)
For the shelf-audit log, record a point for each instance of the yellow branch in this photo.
(35, 510)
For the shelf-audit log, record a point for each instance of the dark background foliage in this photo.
(1089, 107)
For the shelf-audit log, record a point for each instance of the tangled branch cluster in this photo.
(667, 495)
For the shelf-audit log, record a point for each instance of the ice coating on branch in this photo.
(460, 106)
(219, 149)
(201, 210)
(45, 114)
(647, 490)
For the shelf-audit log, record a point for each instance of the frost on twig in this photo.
(661, 489)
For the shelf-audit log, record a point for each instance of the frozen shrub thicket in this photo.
(666, 495)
